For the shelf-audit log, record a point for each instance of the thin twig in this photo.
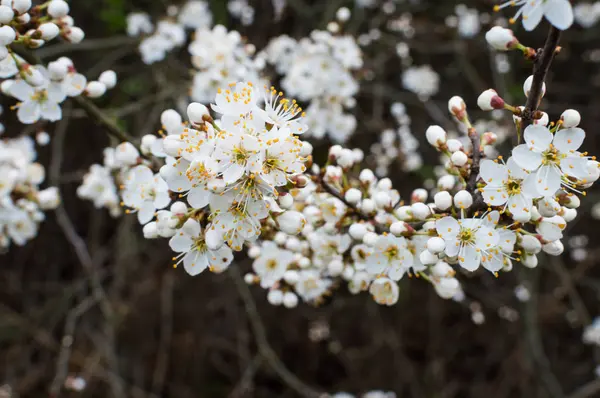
(166, 333)
(541, 65)
(260, 335)
(62, 363)
(588, 390)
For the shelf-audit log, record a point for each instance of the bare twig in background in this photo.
(591, 389)
(86, 45)
(166, 333)
(62, 363)
(260, 335)
(244, 386)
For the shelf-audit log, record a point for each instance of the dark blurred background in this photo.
(114, 312)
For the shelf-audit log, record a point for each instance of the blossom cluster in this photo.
(22, 201)
(40, 90)
(319, 70)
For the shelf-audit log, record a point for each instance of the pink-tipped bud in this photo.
(490, 100)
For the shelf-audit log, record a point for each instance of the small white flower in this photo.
(145, 192)
(558, 12)
(390, 256)
(384, 291)
(552, 158)
(194, 253)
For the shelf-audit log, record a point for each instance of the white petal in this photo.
(519, 205)
(494, 196)
(51, 111)
(559, 13)
(532, 15)
(469, 258)
(195, 262)
(180, 243)
(547, 180)
(162, 200)
(529, 187)
(574, 166)
(452, 247)
(447, 227)
(493, 173)
(198, 197)
(146, 213)
(233, 173)
(549, 231)
(21, 90)
(569, 140)
(526, 158)
(29, 112)
(538, 137)
(515, 170)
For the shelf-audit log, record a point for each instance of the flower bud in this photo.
(343, 14)
(454, 145)
(489, 138)
(358, 231)
(178, 208)
(382, 200)
(459, 158)
(291, 222)
(170, 119)
(428, 258)
(58, 8)
(48, 30)
(436, 136)
(108, 78)
(554, 248)
(446, 183)
(548, 207)
(398, 228)
(569, 214)
(368, 206)
(447, 288)
(126, 154)
(570, 118)
(436, 245)
(490, 100)
(7, 35)
(442, 269)
(275, 297)
(531, 244)
(542, 121)
(527, 86)
(6, 14)
(150, 230)
(74, 34)
(419, 195)
(49, 198)
(501, 39)
(290, 300)
(443, 200)
(366, 176)
(57, 70)
(286, 201)
(530, 261)
(457, 107)
(95, 89)
(196, 112)
(21, 6)
(420, 211)
(370, 238)
(306, 149)
(147, 142)
(353, 196)
(463, 200)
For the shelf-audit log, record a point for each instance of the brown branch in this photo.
(475, 141)
(541, 65)
(262, 342)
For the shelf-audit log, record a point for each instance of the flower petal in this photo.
(547, 180)
(195, 262)
(559, 13)
(526, 158)
(447, 227)
(569, 140)
(469, 258)
(538, 137)
(493, 173)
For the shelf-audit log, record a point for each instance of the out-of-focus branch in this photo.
(86, 45)
(541, 65)
(475, 141)
(260, 335)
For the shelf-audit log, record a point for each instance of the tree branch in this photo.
(260, 335)
(541, 65)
